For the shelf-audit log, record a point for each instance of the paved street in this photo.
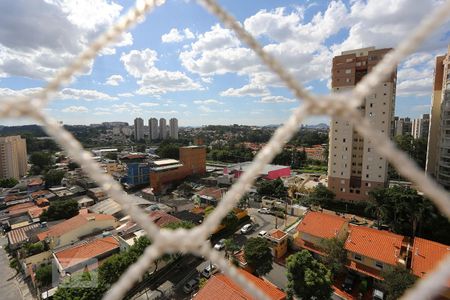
(8, 286)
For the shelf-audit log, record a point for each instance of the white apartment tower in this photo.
(162, 129)
(420, 127)
(354, 167)
(13, 157)
(138, 129)
(174, 128)
(438, 152)
(153, 127)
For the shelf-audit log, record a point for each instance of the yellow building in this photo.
(77, 227)
(13, 157)
(279, 242)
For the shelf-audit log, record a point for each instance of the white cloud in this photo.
(153, 81)
(183, 105)
(44, 36)
(207, 102)
(125, 95)
(205, 109)
(75, 109)
(102, 113)
(148, 104)
(276, 99)
(175, 36)
(114, 80)
(126, 107)
(87, 95)
(7, 92)
(251, 90)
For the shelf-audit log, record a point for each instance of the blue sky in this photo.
(180, 62)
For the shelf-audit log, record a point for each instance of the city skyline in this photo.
(183, 68)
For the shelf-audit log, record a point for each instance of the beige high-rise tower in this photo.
(354, 167)
(438, 152)
(13, 157)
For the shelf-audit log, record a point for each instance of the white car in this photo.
(264, 210)
(220, 245)
(246, 228)
(262, 233)
(209, 270)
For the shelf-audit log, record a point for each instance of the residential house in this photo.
(316, 227)
(279, 242)
(222, 287)
(371, 251)
(73, 229)
(87, 254)
(97, 194)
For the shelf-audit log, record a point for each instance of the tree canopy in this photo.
(41, 161)
(168, 150)
(53, 177)
(272, 188)
(44, 275)
(8, 182)
(258, 255)
(320, 195)
(60, 210)
(336, 255)
(307, 277)
(397, 281)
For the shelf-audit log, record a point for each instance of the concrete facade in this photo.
(153, 127)
(354, 167)
(420, 127)
(173, 124)
(13, 157)
(162, 129)
(138, 129)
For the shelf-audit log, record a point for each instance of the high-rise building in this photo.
(173, 128)
(438, 152)
(13, 157)
(402, 126)
(420, 127)
(153, 126)
(354, 167)
(138, 129)
(162, 129)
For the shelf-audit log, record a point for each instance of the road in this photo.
(9, 289)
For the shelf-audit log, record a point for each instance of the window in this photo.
(358, 257)
(379, 265)
(348, 71)
(349, 60)
(368, 149)
(343, 140)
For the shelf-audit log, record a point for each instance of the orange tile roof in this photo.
(321, 225)
(162, 218)
(35, 181)
(71, 224)
(277, 234)
(78, 254)
(36, 212)
(20, 208)
(216, 193)
(221, 287)
(380, 245)
(42, 201)
(426, 255)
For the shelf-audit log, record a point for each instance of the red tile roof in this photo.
(162, 218)
(216, 193)
(19, 235)
(221, 287)
(321, 225)
(277, 234)
(380, 245)
(20, 208)
(42, 202)
(39, 193)
(35, 181)
(426, 255)
(71, 224)
(78, 254)
(36, 212)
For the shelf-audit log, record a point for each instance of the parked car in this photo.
(348, 283)
(220, 245)
(191, 286)
(377, 294)
(264, 210)
(262, 233)
(246, 228)
(209, 270)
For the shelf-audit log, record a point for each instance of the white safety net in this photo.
(194, 240)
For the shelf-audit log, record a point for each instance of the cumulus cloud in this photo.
(251, 90)
(114, 80)
(75, 109)
(151, 80)
(276, 99)
(149, 104)
(207, 102)
(175, 36)
(125, 95)
(87, 95)
(44, 36)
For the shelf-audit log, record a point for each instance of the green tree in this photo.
(80, 288)
(60, 210)
(44, 275)
(34, 248)
(168, 150)
(42, 160)
(208, 210)
(73, 165)
(378, 207)
(320, 195)
(53, 177)
(230, 220)
(258, 255)
(113, 155)
(336, 255)
(272, 188)
(180, 224)
(397, 281)
(8, 182)
(230, 246)
(307, 277)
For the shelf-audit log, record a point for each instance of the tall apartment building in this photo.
(153, 127)
(162, 129)
(13, 157)
(420, 127)
(438, 152)
(402, 126)
(138, 129)
(173, 128)
(354, 167)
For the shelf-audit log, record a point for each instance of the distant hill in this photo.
(34, 130)
(317, 126)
